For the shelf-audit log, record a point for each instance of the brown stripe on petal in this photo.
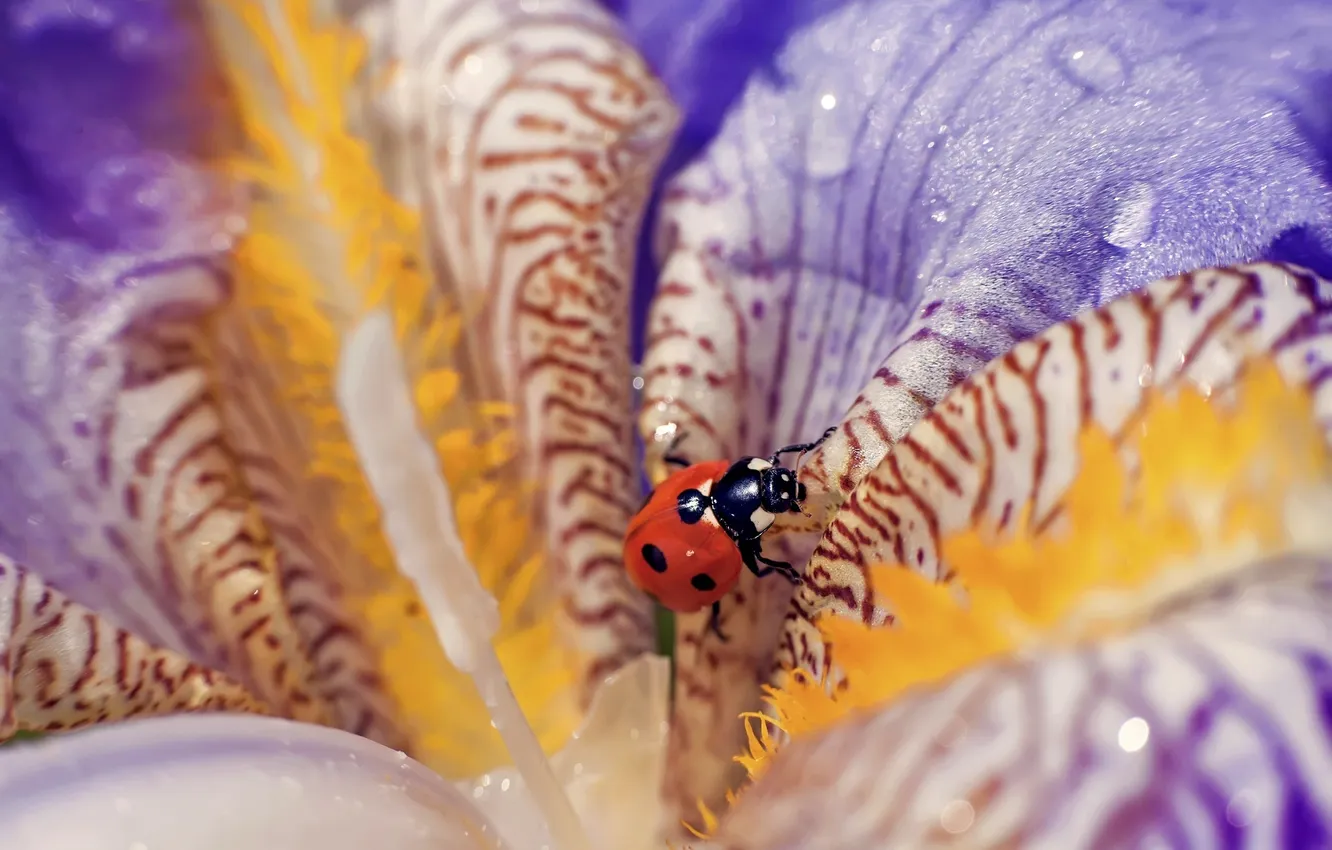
(1196, 328)
(63, 667)
(532, 173)
(146, 518)
(199, 528)
(312, 559)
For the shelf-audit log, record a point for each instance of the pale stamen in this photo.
(416, 510)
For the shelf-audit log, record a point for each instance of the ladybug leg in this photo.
(801, 448)
(752, 557)
(715, 623)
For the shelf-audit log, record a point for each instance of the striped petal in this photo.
(529, 133)
(1008, 435)
(1203, 728)
(909, 189)
(121, 489)
(62, 666)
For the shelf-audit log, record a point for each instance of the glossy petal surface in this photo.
(196, 783)
(1203, 728)
(913, 187)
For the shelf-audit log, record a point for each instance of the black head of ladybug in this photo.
(781, 492)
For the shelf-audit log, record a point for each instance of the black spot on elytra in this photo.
(691, 505)
(703, 582)
(655, 558)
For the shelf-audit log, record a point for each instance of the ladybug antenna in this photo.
(800, 448)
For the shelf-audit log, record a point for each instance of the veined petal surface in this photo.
(120, 487)
(529, 133)
(1008, 435)
(1205, 727)
(909, 188)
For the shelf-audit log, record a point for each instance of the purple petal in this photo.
(1204, 728)
(1008, 435)
(940, 180)
(924, 184)
(121, 489)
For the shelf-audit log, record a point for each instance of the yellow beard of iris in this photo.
(1216, 486)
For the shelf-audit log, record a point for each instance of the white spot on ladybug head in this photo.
(758, 464)
(785, 494)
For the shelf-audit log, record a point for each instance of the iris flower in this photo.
(319, 405)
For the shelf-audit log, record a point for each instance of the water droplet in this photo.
(504, 786)
(1135, 216)
(473, 64)
(1133, 734)
(1094, 66)
(939, 215)
(957, 817)
(402, 756)
(831, 136)
(1240, 809)
(1145, 376)
(638, 382)
(478, 792)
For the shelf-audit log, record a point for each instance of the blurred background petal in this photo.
(207, 783)
(121, 490)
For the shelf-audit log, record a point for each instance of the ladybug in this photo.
(699, 527)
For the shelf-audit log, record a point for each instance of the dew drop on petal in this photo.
(1135, 216)
(1240, 809)
(831, 138)
(1133, 734)
(957, 817)
(1094, 66)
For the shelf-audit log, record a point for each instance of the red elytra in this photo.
(699, 527)
(686, 566)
